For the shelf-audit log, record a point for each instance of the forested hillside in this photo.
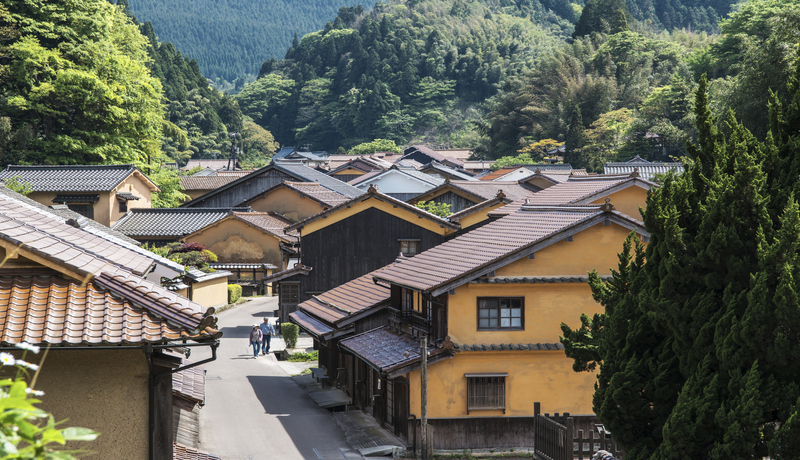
(420, 71)
(231, 38)
(399, 72)
(604, 93)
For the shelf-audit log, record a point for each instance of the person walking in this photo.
(255, 339)
(267, 331)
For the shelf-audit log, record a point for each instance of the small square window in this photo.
(123, 206)
(409, 248)
(500, 313)
(486, 391)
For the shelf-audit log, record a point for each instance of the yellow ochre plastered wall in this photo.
(105, 390)
(349, 172)
(130, 185)
(234, 241)
(211, 293)
(627, 200)
(288, 203)
(106, 210)
(533, 376)
(594, 248)
(478, 216)
(395, 210)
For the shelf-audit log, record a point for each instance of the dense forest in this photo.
(230, 39)
(496, 76)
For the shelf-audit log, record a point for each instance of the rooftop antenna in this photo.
(234, 151)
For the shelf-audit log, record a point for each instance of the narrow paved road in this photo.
(254, 410)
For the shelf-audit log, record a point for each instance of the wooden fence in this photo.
(561, 437)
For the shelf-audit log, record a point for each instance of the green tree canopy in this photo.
(75, 86)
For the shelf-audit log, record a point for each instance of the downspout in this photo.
(153, 382)
(151, 406)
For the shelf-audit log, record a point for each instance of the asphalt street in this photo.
(254, 410)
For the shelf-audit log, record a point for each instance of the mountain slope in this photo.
(231, 38)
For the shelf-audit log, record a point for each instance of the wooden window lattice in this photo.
(486, 393)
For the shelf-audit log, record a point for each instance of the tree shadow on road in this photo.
(307, 424)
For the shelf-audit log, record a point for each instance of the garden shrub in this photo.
(234, 293)
(290, 332)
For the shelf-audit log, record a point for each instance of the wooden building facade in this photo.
(379, 229)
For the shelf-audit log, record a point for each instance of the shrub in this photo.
(290, 332)
(234, 293)
(303, 357)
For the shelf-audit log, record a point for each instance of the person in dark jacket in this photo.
(267, 331)
(255, 339)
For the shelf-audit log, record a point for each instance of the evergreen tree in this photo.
(716, 302)
(602, 16)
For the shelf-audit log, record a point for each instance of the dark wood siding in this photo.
(457, 202)
(245, 190)
(355, 246)
(480, 433)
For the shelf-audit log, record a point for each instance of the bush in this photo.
(289, 332)
(303, 357)
(234, 293)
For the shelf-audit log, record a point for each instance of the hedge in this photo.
(234, 293)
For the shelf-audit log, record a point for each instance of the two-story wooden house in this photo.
(354, 238)
(490, 303)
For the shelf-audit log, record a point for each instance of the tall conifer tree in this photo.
(701, 344)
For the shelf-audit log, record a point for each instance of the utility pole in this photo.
(423, 350)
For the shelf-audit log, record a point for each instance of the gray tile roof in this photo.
(64, 214)
(169, 222)
(511, 347)
(51, 237)
(99, 178)
(384, 348)
(312, 175)
(646, 170)
(449, 172)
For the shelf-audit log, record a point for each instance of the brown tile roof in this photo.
(456, 217)
(495, 244)
(53, 310)
(458, 154)
(182, 452)
(210, 163)
(488, 190)
(190, 384)
(270, 223)
(207, 182)
(51, 238)
(310, 324)
(573, 191)
(349, 299)
(299, 269)
(374, 193)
